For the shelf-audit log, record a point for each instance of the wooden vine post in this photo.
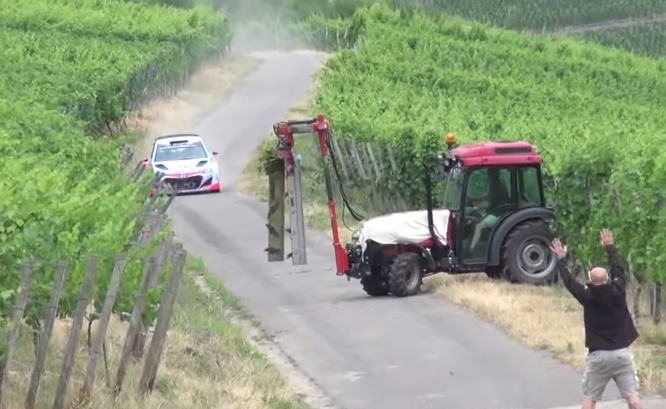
(657, 304)
(74, 334)
(43, 344)
(162, 324)
(17, 315)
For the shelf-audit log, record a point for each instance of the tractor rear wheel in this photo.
(375, 286)
(406, 274)
(526, 254)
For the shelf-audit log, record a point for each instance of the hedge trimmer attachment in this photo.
(286, 167)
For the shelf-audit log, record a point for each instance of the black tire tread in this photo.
(517, 232)
(398, 272)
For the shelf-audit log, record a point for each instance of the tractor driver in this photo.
(497, 197)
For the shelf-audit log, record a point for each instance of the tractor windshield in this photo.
(454, 189)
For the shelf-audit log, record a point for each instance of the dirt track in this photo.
(606, 25)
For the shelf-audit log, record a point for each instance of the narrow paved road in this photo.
(365, 353)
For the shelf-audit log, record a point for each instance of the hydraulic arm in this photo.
(289, 168)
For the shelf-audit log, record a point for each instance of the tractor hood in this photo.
(406, 227)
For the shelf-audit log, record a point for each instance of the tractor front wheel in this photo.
(526, 254)
(406, 274)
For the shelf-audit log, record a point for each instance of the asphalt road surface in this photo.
(365, 353)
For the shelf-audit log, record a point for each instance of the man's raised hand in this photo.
(558, 248)
(606, 238)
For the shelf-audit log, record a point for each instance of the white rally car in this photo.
(186, 162)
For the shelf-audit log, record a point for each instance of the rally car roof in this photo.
(177, 135)
(188, 138)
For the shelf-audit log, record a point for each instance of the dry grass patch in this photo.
(546, 318)
(208, 362)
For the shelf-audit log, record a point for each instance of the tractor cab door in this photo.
(486, 198)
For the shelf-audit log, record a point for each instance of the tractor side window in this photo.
(529, 191)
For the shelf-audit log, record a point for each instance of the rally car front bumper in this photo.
(192, 182)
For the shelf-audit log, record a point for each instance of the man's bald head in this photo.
(598, 276)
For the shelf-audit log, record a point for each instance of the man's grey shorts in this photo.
(602, 366)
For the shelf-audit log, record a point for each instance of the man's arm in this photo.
(576, 289)
(617, 274)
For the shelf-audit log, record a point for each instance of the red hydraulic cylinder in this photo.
(341, 260)
(321, 127)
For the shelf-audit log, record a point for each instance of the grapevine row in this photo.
(68, 68)
(648, 40)
(113, 19)
(596, 114)
(546, 14)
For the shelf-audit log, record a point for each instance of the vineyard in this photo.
(544, 14)
(71, 72)
(648, 40)
(596, 114)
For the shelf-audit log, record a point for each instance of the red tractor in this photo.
(493, 218)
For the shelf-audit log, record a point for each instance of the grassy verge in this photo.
(252, 380)
(541, 318)
(208, 361)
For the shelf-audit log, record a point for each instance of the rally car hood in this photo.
(405, 227)
(180, 166)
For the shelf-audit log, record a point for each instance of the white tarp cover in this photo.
(405, 227)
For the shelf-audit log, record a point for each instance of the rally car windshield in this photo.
(180, 152)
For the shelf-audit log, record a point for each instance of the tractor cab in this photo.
(490, 186)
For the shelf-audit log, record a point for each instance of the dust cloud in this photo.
(259, 27)
(264, 25)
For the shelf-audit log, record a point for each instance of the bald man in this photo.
(609, 328)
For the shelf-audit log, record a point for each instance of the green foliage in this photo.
(332, 34)
(182, 4)
(294, 10)
(286, 10)
(68, 69)
(114, 19)
(108, 63)
(266, 155)
(596, 114)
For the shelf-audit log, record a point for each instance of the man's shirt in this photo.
(608, 322)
